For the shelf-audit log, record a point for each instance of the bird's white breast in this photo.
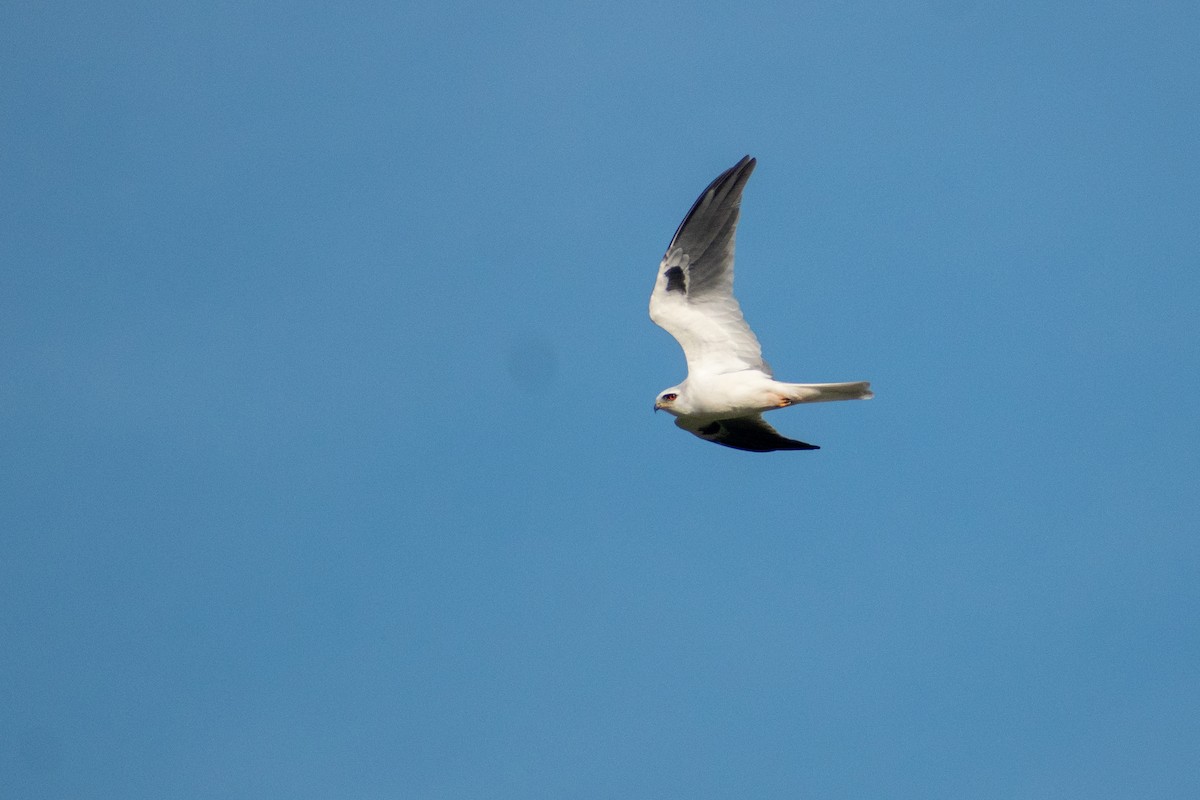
(730, 394)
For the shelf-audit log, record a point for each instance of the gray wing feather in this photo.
(706, 235)
(746, 433)
(693, 295)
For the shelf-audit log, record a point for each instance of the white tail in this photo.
(824, 392)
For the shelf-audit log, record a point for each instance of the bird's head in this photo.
(670, 400)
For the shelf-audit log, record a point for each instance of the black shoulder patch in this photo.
(675, 280)
(712, 429)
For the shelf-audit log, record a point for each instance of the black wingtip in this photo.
(795, 444)
(736, 177)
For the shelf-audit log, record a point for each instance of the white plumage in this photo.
(728, 385)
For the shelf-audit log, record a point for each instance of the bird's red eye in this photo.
(669, 396)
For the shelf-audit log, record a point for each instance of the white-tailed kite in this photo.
(728, 384)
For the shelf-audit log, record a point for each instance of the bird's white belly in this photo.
(732, 394)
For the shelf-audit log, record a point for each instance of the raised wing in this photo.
(745, 433)
(693, 296)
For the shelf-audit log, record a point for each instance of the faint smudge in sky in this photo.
(532, 361)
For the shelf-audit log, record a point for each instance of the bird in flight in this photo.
(728, 385)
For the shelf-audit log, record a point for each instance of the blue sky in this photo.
(329, 467)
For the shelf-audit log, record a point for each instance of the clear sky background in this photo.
(329, 467)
